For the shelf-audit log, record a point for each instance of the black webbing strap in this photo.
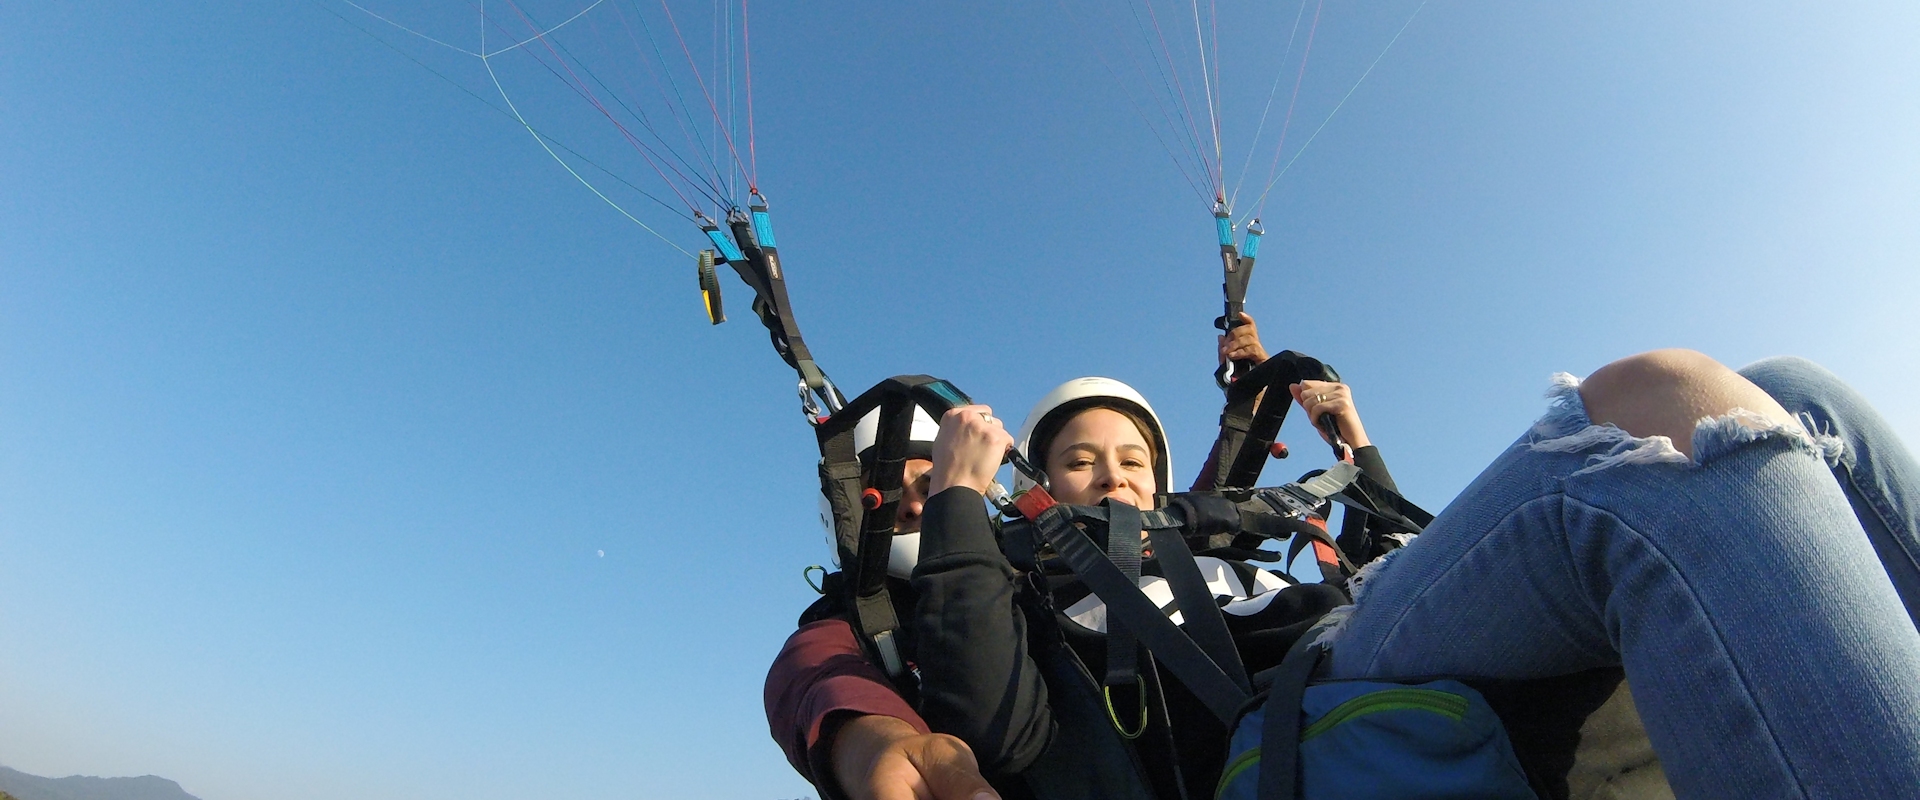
(1350, 486)
(1353, 488)
(1168, 519)
(1244, 469)
(1203, 621)
(1123, 549)
(863, 528)
(1170, 646)
(1251, 420)
(761, 270)
(1238, 271)
(871, 601)
(1280, 731)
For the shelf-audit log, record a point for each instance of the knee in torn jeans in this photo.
(1565, 428)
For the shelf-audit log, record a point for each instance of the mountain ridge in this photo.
(22, 786)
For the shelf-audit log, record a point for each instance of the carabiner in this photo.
(1107, 692)
(807, 406)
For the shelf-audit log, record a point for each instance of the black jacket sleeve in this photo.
(977, 681)
(1369, 461)
(1356, 538)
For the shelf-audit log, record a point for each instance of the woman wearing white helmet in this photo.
(1096, 439)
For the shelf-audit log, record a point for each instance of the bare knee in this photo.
(1667, 392)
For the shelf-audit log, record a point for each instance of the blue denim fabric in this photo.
(1875, 470)
(1768, 651)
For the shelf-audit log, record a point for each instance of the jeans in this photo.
(1743, 589)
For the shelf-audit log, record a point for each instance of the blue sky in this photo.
(322, 387)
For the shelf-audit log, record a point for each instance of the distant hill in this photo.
(21, 786)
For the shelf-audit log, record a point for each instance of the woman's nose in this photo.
(906, 517)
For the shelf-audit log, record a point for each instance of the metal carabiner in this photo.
(807, 406)
(1107, 692)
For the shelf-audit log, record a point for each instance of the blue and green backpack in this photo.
(1368, 739)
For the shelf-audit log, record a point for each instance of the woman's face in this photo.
(1099, 454)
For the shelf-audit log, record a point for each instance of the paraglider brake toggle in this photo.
(710, 286)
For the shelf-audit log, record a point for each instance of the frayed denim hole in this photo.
(1327, 630)
(1566, 411)
(1714, 437)
(1566, 428)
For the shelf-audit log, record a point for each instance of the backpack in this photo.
(1368, 739)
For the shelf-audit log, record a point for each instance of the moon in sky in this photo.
(600, 553)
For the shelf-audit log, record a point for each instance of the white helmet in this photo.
(1078, 395)
(866, 434)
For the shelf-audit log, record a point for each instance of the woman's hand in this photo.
(1318, 398)
(1242, 343)
(968, 450)
(883, 758)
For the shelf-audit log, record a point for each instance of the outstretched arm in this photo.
(848, 732)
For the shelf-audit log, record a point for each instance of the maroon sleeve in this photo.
(818, 674)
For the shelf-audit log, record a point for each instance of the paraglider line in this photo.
(503, 112)
(1178, 84)
(1272, 92)
(1169, 107)
(366, 11)
(541, 36)
(746, 52)
(1262, 201)
(1206, 80)
(1172, 154)
(680, 117)
(1292, 102)
(645, 124)
(579, 86)
(702, 83)
(568, 167)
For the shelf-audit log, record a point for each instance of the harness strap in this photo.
(864, 534)
(1204, 622)
(1170, 646)
(1123, 549)
(1256, 407)
(1238, 270)
(1280, 731)
(757, 262)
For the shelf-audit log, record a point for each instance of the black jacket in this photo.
(988, 649)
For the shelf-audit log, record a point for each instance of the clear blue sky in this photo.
(322, 388)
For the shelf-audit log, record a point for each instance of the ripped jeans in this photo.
(1750, 596)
